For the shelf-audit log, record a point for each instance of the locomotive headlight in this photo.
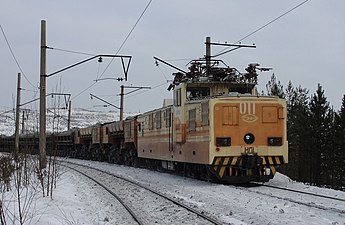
(249, 138)
(274, 141)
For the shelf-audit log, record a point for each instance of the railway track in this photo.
(124, 204)
(145, 205)
(309, 202)
(303, 192)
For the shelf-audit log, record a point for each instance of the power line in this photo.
(8, 111)
(14, 57)
(84, 90)
(123, 43)
(138, 93)
(176, 60)
(128, 35)
(257, 30)
(136, 23)
(267, 24)
(162, 72)
(70, 51)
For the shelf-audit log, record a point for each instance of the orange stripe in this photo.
(264, 161)
(226, 160)
(222, 170)
(277, 160)
(233, 162)
(273, 169)
(217, 161)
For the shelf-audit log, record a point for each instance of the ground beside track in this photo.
(237, 205)
(77, 199)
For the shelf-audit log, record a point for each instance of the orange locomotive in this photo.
(216, 128)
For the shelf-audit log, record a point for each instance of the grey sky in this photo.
(306, 46)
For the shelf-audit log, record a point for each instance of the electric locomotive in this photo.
(218, 127)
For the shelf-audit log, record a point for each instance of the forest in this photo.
(316, 136)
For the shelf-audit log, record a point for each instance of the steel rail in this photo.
(313, 205)
(134, 216)
(302, 192)
(200, 214)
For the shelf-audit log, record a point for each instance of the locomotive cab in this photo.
(239, 135)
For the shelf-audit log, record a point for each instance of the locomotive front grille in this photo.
(245, 167)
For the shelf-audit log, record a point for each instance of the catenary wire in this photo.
(84, 90)
(162, 73)
(128, 35)
(14, 57)
(123, 43)
(140, 92)
(267, 24)
(70, 51)
(250, 34)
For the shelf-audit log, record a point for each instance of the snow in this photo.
(77, 200)
(79, 118)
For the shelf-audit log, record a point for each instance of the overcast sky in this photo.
(305, 46)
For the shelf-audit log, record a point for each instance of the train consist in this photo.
(216, 127)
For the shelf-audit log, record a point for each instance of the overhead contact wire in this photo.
(267, 24)
(128, 35)
(14, 57)
(123, 43)
(70, 51)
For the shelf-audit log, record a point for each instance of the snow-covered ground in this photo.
(56, 120)
(77, 200)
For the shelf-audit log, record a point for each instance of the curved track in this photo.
(126, 206)
(201, 216)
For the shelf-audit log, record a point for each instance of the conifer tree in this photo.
(321, 120)
(298, 132)
(316, 136)
(338, 180)
(275, 88)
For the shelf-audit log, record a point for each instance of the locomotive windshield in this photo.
(194, 93)
(240, 90)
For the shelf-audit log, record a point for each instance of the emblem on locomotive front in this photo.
(247, 110)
